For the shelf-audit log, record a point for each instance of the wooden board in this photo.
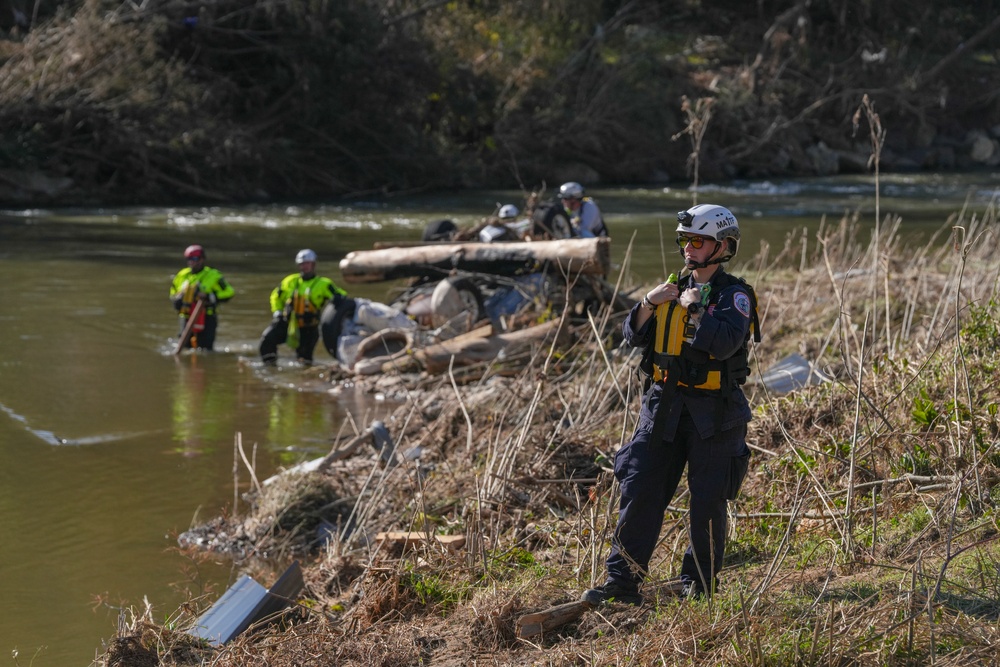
(569, 256)
(531, 625)
(410, 539)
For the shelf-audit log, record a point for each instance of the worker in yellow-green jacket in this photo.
(296, 307)
(196, 291)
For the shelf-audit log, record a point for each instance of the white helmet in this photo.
(305, 256)
(508, 212)
(713, 221)
(571, 190)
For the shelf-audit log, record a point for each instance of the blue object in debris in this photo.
(382, 442)
(245, 603)
(326, 532)
(509, 299)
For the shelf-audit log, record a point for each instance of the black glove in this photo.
(178, 302)
(278, 317)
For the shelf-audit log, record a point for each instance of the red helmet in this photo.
(195, 251)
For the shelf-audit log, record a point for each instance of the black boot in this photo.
(612, 591)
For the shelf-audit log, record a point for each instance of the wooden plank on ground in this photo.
(412, 538)
(531, 625)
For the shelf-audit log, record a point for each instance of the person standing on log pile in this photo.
(296, 305)
(199, 283)
(584, 214)
(695, 334)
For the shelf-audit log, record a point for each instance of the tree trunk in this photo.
(567, 256)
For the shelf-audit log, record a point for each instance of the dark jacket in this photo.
(723, 333)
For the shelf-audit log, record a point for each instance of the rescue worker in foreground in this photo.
(695, 333)
(584, 214)
(296, 305)
(198, 282)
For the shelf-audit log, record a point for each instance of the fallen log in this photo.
(409, 360)
(566, 256)
(481, 345)
(468, 349)
(534, 624)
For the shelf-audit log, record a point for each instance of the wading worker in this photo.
(296, 305)
(199, 283)
(694, 333)
(583, 212)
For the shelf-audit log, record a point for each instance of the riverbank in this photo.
(865, 533)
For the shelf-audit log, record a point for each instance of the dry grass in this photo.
(864, 535)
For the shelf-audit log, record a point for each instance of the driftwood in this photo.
(530, 625)
(405, 361)
(569, 256)
(382, 349)
(477, 346)
(406, 540)
(375, 435)
(437, 358)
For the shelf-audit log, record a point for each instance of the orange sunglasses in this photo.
(695, 241)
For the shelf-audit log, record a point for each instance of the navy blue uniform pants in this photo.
(649, 473)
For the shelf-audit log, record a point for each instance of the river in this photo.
(110, 445)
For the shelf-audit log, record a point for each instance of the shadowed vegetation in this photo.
(171, 100)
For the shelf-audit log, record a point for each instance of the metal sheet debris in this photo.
(245, 603)
(791, 373)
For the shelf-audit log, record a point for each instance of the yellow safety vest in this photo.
(674, 329)
(674, 362)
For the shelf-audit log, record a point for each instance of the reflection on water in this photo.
(50, 438)
(197, 406)
(86, 334)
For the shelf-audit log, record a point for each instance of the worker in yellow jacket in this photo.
(199, 283)
(296, 305)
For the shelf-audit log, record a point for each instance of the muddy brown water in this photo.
(110, 445)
